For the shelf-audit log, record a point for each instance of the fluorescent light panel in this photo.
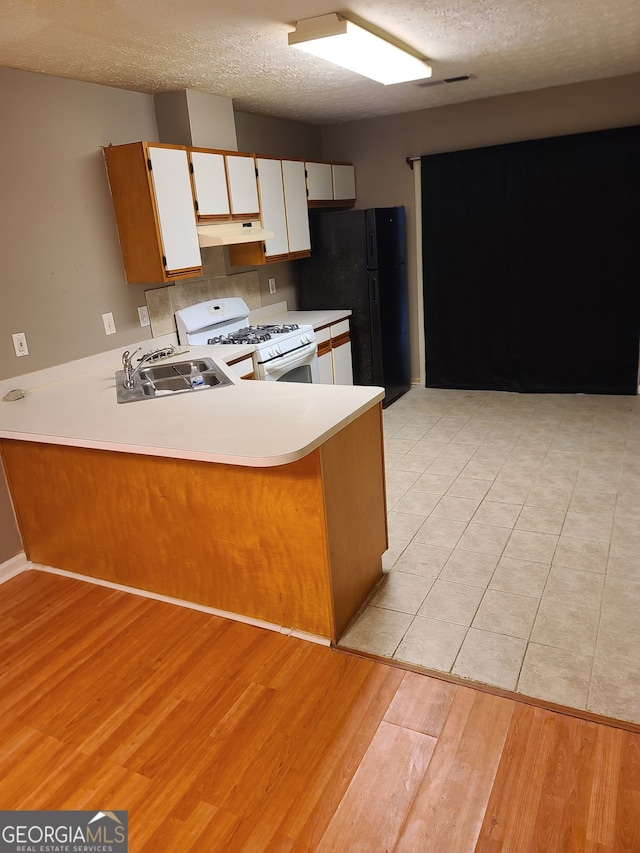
(343, 43)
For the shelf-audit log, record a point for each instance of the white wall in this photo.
(61, 264)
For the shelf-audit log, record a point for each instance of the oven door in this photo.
(301, 365)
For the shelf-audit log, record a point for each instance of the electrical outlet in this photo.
(109, 324)
(20, 344)
(272, 285)
(143, 314)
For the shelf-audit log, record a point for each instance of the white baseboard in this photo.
(214, 611)
(18, 564)
(14, 566)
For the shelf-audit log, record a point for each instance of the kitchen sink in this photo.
(180, 377)
(154, 372)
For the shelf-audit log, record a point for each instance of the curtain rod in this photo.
(411, 160)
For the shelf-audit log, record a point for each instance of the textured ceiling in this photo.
(238, 49)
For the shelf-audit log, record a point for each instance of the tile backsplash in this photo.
(163, 302)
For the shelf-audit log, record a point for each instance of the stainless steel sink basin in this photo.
(179, 377)
(154, 372)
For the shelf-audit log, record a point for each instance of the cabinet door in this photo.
(319, 181)
(341, 353)
(175, 209)
(243, 187)
(344, 181)
(272, 210)
(210, 185)
(342, 365)
(325, 361)
(325, 368)
(295, 199)
(243, 367)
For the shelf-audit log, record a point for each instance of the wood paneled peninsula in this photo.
(260, 499)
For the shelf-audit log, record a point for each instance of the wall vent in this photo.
(459, 79)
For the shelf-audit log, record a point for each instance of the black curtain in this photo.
(531, 263)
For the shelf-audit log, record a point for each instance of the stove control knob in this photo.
(305, 338)
(274, 351)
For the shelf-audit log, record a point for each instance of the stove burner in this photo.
(278, 329)
(252, 334)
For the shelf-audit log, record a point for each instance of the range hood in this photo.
(232, 233)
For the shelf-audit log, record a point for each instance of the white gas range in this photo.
(285, 353)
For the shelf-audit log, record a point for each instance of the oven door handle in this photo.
(290, 358)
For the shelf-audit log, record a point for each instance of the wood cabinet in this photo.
(334, 354)
(330, 184)
(283, 210)
(298, 545)
(161, 192)
(155, 216)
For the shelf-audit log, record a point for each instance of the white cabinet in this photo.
(341, 353)
(319, 181)
(174, 205)
(334, 354)
(154, 208)
(210, 185)
(283, 210)
(295, 199)
(243, 187)
(325, 361)
(225, 185)
(272, 209)
(330, 184)
(160, 192)
(344, 181)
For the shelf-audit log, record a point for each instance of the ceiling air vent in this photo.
(462, 77)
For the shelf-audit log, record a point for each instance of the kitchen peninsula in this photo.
(263, 500)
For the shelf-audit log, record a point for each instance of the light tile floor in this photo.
(514, 544)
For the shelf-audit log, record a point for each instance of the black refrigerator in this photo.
(358, 261)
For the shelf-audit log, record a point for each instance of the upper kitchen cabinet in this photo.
(343, 177)
(243, 187)
(319, 183)
(154, 208)
(283, 210)
(295, 195)
(330, 184)
(210, 185)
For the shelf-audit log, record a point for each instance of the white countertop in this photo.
(259, 424)
(278, 313)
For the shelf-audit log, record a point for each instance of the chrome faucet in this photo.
(130, 371)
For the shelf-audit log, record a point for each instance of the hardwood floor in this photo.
(218, 736)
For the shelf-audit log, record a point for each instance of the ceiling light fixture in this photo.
(337, 40)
